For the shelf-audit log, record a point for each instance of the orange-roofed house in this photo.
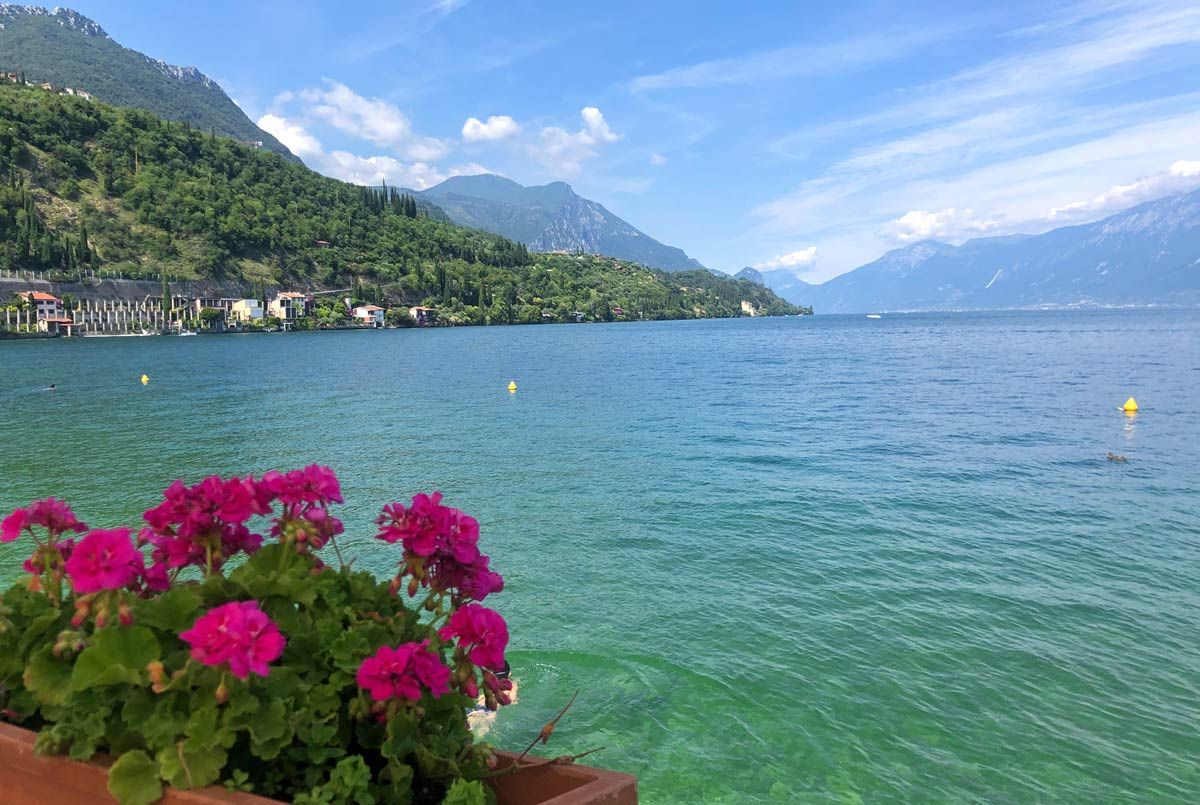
(369, 314)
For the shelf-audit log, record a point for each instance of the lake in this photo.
(808, 559)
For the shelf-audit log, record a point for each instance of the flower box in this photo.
(30, 779)
(169, 675)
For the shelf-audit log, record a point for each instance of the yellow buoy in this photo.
(1130, 406)
(145, 379)
(512, 387)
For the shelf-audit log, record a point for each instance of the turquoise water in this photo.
(827, 559)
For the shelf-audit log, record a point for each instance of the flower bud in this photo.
(124, 614)
(82, 608)
(222, 694)
(35, 584)
(155, 671)
(413, 586)
(394, 586)
(102, 617)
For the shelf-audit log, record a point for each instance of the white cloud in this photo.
(564, 152)
(497, 127)
(291, 134)
(801, 258)
(789, 62)
(1183, 175)
(948, 224)
(371, 119)
(657, 159)
(350, 167)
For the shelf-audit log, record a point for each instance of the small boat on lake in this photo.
(874, 316)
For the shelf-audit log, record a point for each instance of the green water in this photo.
(828, 559)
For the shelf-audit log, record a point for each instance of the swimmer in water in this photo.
(1115, 457)
(51, 388)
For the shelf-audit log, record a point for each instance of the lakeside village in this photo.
(39, 313)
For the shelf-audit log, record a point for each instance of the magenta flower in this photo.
(482, 634)
(314, 485)
(401, 672)
(204, 525)
(238, 634)
(53, 515)
(441, 547)
(104, 560)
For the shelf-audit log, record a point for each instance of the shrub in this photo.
(201, 651)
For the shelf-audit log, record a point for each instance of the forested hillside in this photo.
(86, 185)
(64, 47)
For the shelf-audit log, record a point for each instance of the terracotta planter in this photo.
(30, 779)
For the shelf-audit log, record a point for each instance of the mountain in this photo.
(86, 186)
(751, 274)
(1146, 255)
(550, 218)
(789, 286)
(65, 48)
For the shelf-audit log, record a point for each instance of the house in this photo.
(288, 305)
(321, 244)
(246, 310)
(618, 311)
(48, 312)
(369, 314)
(45, 306)
(423, 316)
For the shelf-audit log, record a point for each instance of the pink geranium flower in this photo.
(239, 635)
(482, 634)
(315, 485)
(441, 547)
(401, 672)
(53, 515)
(104, 560)
(204, 524)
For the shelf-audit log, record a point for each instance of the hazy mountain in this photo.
(1146, 255)
(66, 48)
(788, 285)
(550, 218)
(751, 274)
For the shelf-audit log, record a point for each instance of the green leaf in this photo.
(134, 780)
(173, 611)
(270, 730)
(465, 792)
(46, 676)
(38, 629)
(118, 655)
(186, 765)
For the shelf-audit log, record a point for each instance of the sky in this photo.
(810, 137)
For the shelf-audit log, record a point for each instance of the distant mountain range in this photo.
(550, 218)
(64, 47)
(751, 274)
(1146, 255)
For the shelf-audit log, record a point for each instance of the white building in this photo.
(369, 314)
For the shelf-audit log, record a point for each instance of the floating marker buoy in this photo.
(145, 379)
(1130, 406)
(512, 387)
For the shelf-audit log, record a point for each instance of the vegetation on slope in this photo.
(66, 48)
(84, 185)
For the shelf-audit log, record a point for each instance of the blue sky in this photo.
(810, 137)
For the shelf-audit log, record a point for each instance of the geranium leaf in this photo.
(118, 655)
(465, 792)
(173, 611)
(134, 779)
(46, 676)
(185, 765)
